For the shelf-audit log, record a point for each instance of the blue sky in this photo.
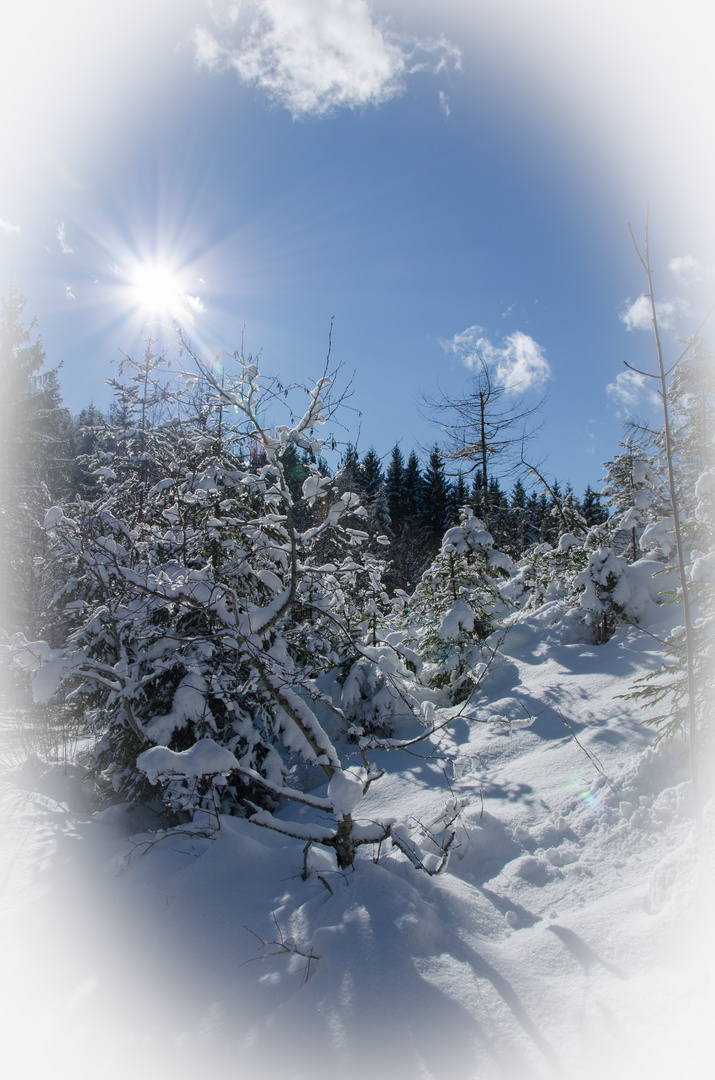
(441, 178)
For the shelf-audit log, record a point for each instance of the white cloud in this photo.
(69, 295)
(65, 247)
(7, 228)
(686, 270)
(313, 56)
(517, 365)
(637, 315)
(193, 303)
(444, 104)
(632, 389)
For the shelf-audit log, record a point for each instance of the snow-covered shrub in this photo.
(546, 573)
(377, 689)
(605, 592)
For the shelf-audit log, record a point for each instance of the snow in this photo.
(204, 758)
(566, 937)
(260, 617)
(345, 790)
(53, 517)
(188, 703)
(459, 619)
(567, 541)
(313, 485)
(703, 568)
(659, 534)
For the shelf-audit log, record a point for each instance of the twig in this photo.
(283, 946)
(591, 757)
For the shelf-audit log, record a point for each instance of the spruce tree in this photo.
(436, 507)
(414, 489)
(370, 473)
(632, 489)
(591, 508)
(517, 526)
(394, 490)
(455, 606)
(498, 514)
(460, 496)
(348, 475)
(477, 498)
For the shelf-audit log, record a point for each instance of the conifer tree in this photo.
(348, 475)
(515, 540)
(593, 512)
(631, 490)
(404, 493)
(414, 489)
(436, 508)
(498, 514)
(370, 473)
(460, 496)
(394, 490)
(477, 498)
(487, 424)
(34, 465)
(534, 516)
(455, 605)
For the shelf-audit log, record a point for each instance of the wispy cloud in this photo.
(61, 236)
(7, 228)
(631, 389)
(69, 295)
(444, 104)
(637, 315)
(518, 364)
(315, 56)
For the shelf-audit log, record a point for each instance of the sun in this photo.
(156, 289)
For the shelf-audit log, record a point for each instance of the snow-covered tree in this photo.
(34, 466)
(546, 572)
(605, 592)
(632, 491)
(668, 689)
(222, 659)
(455, 606)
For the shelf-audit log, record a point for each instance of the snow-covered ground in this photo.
(567, 936)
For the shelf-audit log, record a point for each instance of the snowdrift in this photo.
(565, 938)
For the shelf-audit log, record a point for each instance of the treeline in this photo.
(409, 502)
(416, 503)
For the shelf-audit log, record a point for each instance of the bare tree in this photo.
(485, 425)
(661, 379)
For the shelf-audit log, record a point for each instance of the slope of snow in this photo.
(566, 938)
